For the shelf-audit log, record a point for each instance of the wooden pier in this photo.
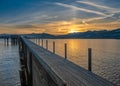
(40, 67)
(10, 38)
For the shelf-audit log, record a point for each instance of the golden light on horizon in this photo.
(73, 28)
(56, 28)
(73, 31)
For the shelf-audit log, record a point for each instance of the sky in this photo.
(58, 16)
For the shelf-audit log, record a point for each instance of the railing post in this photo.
(34, 39)
(42, 42)
(89, 59)
(65, 50)
(38, 41)
(31, 73)
(47, 44)
(53, 47)
(7, 41)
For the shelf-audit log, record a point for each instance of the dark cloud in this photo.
(26, 26)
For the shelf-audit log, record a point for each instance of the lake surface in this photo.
(105, 55)
(105, 58)
(9, 65)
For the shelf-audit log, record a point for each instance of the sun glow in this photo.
(73, 31)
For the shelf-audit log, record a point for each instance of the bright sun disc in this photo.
(73, 31)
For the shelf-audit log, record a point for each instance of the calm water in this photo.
(105, 55)
(9, 65)
(105, 58)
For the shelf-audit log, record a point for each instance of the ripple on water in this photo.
(9, 66)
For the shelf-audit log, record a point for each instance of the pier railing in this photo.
(40, 67)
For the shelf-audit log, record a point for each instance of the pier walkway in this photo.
(41, 67)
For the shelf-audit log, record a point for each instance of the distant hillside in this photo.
(43, 35)
(103, 34)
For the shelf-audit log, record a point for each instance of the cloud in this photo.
(95, 5)
(25, 26)
(51, 18)
(20, 29)
(102, 16)
(58, 27)
(80, 9)
(84, 22)
(12, 26)
(44, 17)
(102, 7)
(109, 11)
(97, 18)
(30, 18)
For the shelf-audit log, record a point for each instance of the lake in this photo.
(105, 55)
(105, 58)
(9, 65)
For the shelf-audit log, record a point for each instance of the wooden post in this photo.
(42, 43)
(31, 73)
(19, 46)
(47, 44)
(34, 39)
(89, 59)
(7, 41)
(38, 41)
(22, 77)
(25, 55)
(65, 50)
(53, 47)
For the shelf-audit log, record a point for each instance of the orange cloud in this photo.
(58, 27)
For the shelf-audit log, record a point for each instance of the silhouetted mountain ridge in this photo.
(94, 34)
(42, 35)
(102, 34)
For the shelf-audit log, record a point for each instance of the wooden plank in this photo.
(67, 71)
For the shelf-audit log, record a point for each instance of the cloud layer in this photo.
(58, 17)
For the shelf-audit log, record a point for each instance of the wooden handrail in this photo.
(61, 71)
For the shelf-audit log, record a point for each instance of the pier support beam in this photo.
(89, 59)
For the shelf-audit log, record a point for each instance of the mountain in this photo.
(43, 35)
(103, 34)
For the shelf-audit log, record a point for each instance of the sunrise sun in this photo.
(73, 31)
